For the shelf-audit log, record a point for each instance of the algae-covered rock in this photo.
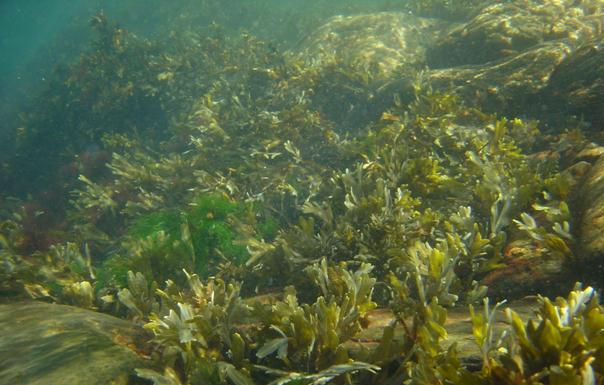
(46, 344)
(379, 42)
(508, 86)
(354, 57)
(505, 29)
(527, 268)
(591, 227)
(576, 86)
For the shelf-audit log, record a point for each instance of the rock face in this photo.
(503, 30)
(591, 227)
(385, 46)
(576, 86)
(528, 269)
(380, 42)
(541, 59)
(509, 86)
(46, 344)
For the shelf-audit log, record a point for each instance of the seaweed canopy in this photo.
(105, 90)
(562, 344)
(418, 205)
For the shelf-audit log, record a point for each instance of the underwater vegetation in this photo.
(213, 192)
(561, 345)
(288, 342)
(200, 239)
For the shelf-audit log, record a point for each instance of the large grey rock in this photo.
(505, 29)
(48, 344)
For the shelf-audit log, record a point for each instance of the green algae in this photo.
(200, 236)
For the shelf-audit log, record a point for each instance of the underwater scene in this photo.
(301, 192)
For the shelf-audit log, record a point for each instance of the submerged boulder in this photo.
(503, 30)
(521, 58)
(509, 86)
(591, 226)
(576, 86)
(45, 344)
(527, 58)
(381, 42)
(527, 268)
(353, 57)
